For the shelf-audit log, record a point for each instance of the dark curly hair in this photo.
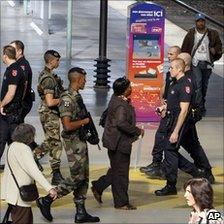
(202, 192)
(120, 85)
(23, 133)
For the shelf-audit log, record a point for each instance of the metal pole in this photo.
(45, 16)
(49, 14)
(103, 29)
(102, 61)
(25, 6)
(69, 30)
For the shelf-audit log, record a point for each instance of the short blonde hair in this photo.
(179, 64)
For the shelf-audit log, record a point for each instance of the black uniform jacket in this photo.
(120, 128)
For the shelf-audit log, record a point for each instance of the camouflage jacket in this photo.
(68, 106)
(49, 83)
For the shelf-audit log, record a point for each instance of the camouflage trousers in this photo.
(52, 143)
(78, 160)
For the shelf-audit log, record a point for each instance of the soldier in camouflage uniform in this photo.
(77, 153)
(49, 89)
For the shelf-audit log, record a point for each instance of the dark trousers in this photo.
(190, 142)
(6, 130)
(117, 176)
(173, 159)
(26, 108)
(21, 215)
(170, 162)
(202, 75)
(159, 144)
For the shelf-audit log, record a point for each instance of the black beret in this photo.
(53, 52)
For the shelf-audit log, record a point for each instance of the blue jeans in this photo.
(202, 75)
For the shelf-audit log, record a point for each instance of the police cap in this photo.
(78, 70)
(53, 53)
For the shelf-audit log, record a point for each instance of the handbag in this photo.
(103, 118)
(6, 216)
(27, 193)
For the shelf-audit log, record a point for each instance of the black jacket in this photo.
(120, 129)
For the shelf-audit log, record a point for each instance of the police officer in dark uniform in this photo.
(158, 148)
(11, 97)
(189, 138)
(25, 65)
(178, 102)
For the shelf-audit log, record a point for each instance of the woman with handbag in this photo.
(20, 174)
(120, 132)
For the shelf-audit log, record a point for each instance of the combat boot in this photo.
(150, 167)
(156, 173)
(57, 177)
(207, 174)
(167, 190)
(81, 215)
(44, 204)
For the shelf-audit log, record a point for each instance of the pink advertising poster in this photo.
(145, 55)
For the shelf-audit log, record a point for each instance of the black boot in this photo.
(81, 215)
(156, 173)
(206, 173)
(57, 177)
(44, 204)
(167, 190)
(151, 166)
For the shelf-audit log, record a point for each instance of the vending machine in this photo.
(145, 57)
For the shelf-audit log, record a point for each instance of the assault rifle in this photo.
(88, 132)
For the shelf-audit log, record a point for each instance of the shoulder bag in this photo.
(27, 193)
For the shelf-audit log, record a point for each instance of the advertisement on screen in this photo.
(145, 56)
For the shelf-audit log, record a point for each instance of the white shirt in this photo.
(202, 217)
(202, 52)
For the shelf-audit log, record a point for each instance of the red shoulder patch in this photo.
(14, 73)
(187, 89)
